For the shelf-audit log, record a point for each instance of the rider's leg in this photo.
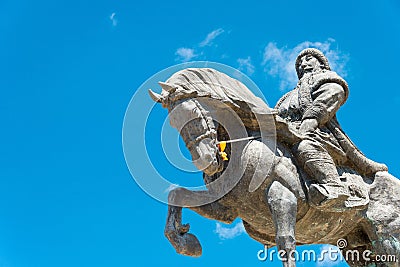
(316, 161)
(319, 165)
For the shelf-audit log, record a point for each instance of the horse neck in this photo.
(223, 135)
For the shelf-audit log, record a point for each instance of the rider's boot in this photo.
(328, 191)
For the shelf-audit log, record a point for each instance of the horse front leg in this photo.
(177, 233)
(283, 205)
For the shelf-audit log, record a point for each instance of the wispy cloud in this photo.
(113, 19)
(279, 62)
(210, 37)
(185, 54)
(246, 65)
(229, 233)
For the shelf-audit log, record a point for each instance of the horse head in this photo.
(195, 125)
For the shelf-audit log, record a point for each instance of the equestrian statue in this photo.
(290, 172)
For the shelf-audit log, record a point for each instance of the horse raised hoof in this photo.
(184, 243)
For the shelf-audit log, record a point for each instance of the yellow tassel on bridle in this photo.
(222, 145)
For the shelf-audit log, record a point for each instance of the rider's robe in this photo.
(315, 97)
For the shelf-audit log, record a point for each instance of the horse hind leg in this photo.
(283, 205)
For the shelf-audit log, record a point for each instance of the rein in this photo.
(222, 145)
(238, 140)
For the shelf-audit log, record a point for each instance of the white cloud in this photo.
(113, 19)
(246, 65)
(279, 62)
(185, 54)
(210, 37)
(229, 233)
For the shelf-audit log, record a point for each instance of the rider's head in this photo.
(310, 60)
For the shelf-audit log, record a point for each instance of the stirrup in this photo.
(329, 197)
(358, 199)
(337, 197)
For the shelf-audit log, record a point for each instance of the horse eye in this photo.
(194, 110)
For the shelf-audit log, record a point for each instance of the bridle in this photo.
(211, 131)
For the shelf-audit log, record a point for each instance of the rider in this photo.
(311, 109)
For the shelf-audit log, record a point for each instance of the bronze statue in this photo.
(316, 186)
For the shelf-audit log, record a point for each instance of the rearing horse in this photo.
(260, 183)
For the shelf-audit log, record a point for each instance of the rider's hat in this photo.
(315, 53)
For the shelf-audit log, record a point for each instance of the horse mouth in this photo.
(219, 164)
(216, 166)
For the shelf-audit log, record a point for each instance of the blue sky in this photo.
(68, 70)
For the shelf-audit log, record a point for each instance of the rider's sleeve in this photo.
(327, 99)
(283, 104)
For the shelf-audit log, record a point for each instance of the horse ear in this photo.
(167, 87)
(156, 97)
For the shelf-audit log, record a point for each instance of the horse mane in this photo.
(207, 82)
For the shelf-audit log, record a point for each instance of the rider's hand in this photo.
(308, 126)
